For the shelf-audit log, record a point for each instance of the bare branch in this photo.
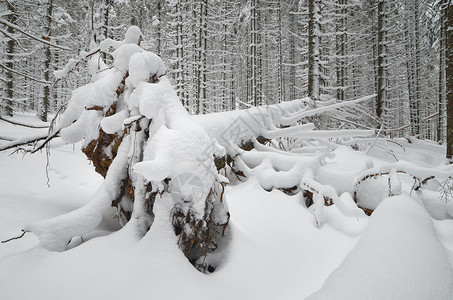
(10, 5)
(23, 141)
(48, 139)
(15, 238)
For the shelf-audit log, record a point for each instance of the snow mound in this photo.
(394, 258)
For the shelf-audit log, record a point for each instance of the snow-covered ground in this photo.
(276, 252)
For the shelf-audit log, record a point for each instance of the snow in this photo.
(115, 122)
(276, 250)
(394, 258)
(54, 234)
(123, 54)
(177, 144)
(142, 65)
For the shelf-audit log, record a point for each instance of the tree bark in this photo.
(442, 83)
(10, 63)
(45, 101)
(313, 50)
(381, 60)
(449, 79)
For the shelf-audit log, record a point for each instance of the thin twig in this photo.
(48, 139)
(15, 238)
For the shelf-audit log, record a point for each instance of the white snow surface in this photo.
(177, 144)
(394, 258)
(276, 251)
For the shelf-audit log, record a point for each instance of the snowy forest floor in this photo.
(277, 251)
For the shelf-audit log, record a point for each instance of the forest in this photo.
(237, 149)
(226, 54)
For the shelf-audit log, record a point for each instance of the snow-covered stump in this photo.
(140, 138)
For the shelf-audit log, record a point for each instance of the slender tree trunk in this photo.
(449, 79)
(442, 83)
(159, 27)
(105, 22)
(224, 85)
(10, 62)
(340, 41)
(179, 53)
(414, 105)
(280, 53)
(259, 57)
(292, 56)
(381, 60)
(313, 50)
(45, 102)
(253, 62)
(202, 57)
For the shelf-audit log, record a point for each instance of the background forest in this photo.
(222, 55)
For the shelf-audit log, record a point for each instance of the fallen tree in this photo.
(151, 152)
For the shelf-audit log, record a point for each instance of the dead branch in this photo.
(48, 139)
(24, 125)
(356, 187)
(392, 141)
(96, 107)
(423, 182)
(15, 238)
(22, 142)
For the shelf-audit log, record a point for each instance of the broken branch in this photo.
(15, 238)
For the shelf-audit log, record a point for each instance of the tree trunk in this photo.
(252, 59)
(449, 79)
(340, 41)
(180, 53)
(45, 101)
(10, 63)
(442, 83)
(313, 50)
(381, 60)
(280, 86)
(414, 105)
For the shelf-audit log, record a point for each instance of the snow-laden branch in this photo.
(311, 112)
(24, 141)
